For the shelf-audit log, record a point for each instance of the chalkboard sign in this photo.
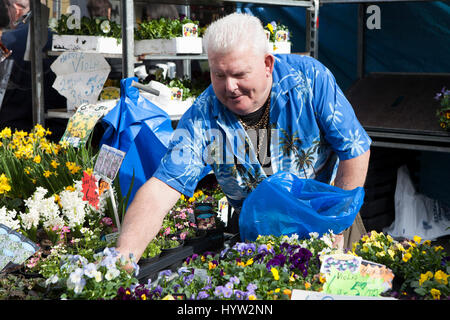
(5, 73)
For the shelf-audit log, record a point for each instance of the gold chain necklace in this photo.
(263, 123)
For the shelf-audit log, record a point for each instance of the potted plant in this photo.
(168, 36)
(279, 37)
(91, 35)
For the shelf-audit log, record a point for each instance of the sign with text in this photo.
(82, 123)
(89, 189)
(314, 295)
(108, 162)
(352, 284)
(80, 77)
(341, 262)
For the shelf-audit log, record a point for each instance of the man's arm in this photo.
(144, 216)
(352, 172)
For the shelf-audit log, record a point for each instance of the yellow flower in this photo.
(57, 200)
(143, 297)
(240, 263)
(249, 262)
(287, 292)
(72, 166)
(437, 248)
(307, 285)
(390, 239)
(252, 297)
(211, 265)
(380, 254)
(70, 188)
(27, 170)
(425, 276)
(270, 27)
(4, 184)
(54, 164)
(37, 159)
(64, 144)
(427, 242)
(391, 253)
(400, 247)
(89, 171)
(406, 257)
(191, 199)
(5, 133)
(275, 274)
(292, 278)
(441, 277)
(417, 239)
(436, 294)
(47, 173)
(322, 279)
(365, 238)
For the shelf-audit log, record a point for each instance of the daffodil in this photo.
(5, 133)
(4, 184)
(47, 173)
(37, 159)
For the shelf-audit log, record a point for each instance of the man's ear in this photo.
(269, 61)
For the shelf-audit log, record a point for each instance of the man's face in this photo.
(241, 79)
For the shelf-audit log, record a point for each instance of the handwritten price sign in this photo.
(80, 77)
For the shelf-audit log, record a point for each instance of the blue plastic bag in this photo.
(284, 204)
(141, 130)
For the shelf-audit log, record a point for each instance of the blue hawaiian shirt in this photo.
(313, 126)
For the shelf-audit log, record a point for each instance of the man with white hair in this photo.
(262, 114)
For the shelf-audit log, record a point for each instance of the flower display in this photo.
(443, 113)
(88, 27)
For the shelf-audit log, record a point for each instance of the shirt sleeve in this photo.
(335, 114)
(182, 165)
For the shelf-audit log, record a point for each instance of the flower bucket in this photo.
(166, 252)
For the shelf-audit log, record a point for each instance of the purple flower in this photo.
(251, 288)
(227, 292)
(263, 249)
(234, 280)
(300, 260)
(188, 279)
(218, 291)
(278, 260)
(202, 295)
(165, 273)
(240, 295)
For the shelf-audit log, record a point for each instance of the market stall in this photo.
(62, 206)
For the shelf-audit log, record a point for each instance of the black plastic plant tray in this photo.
(147, 269)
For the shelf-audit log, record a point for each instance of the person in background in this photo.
(156, 11)
(99, 8)
(16, 111)
(263, 114)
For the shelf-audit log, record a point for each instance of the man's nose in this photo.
(231, 84)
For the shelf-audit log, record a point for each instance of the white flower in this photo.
(73, 207)
(112, 273)
(105, 26)
(76, 281)
(53, 279)
(53, 23)
(8, 218)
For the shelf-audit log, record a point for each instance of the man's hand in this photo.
(144, 217)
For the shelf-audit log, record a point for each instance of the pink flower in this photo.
(182, 215)
(167, 231)
(183, 235)
(107, 221)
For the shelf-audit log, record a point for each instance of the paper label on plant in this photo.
(377, 271)
(89, 189)
(190, 30)
(176, 94)
(281, 36)
(108, 162)
(340, 262)
(111, 237)
(82, 123)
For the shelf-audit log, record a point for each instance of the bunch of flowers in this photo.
(433, 285)
(407, 259)
(443, 113)
(53, 213)
(97, 278)
(30, 160)
(98, 26)
(273, 27)
(268, 268)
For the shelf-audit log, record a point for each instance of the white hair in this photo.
(237, 30)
